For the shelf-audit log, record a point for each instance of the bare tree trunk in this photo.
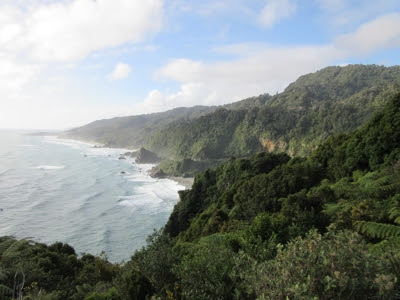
(18, 290)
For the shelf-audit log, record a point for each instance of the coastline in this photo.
(187, 182)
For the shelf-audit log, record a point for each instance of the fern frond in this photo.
(378, 230)
(379, 182)
(394, 214)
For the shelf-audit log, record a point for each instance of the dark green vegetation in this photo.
(324, 226)
(331, 101)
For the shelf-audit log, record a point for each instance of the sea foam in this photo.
(69, 191)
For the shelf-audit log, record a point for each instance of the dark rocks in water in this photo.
(123, 173)
(121, 157)
(146, 157)
(130, 154)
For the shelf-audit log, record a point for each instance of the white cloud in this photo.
(350, 14)
(268, 70)
(275, 10)
(37, 35)
(261, 68)
(15, 77)
(381, 33)
(70, 30)
(121, 71)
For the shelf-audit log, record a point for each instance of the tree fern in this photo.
(378, 230)
(381, 230)
(395, 214)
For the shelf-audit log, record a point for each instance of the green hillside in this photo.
(323, 226)
(129, 132)
(331, 101)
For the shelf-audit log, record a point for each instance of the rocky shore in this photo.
(187, 182)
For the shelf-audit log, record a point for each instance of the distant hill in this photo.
(331, 101)
(129, 132)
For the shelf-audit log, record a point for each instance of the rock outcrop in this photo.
(156, 172)
(272, 146)
(145, 156)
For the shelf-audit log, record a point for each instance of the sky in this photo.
(65, 63)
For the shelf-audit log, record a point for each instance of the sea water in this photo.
(62, 190)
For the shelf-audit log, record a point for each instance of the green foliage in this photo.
(54, 271)
(206, 271)
(155, 261)
(332, 266)
(132, 284)
(372, 147)
(388, 232)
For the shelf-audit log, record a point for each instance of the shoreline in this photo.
(187, 182)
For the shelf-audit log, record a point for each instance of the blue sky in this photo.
(65, 63)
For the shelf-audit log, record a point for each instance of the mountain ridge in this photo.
(317, 105)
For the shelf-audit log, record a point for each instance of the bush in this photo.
(332, 266)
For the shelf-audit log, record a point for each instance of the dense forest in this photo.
(331, 101)
(318, 226)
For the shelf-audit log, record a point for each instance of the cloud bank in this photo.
(70, 30)
(262, 68)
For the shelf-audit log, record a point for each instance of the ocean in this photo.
(67, 191)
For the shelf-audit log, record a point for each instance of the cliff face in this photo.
(272, 146)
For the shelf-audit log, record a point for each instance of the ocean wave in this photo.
(74, 145)
(48, 167)
(5, 172)
(148, 202)
(87, 201)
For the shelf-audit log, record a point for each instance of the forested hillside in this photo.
(129, 132)
(331, 101)
(322, 226)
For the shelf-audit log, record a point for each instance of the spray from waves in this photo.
(151, 198)
(143, 203)
(69, 143)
